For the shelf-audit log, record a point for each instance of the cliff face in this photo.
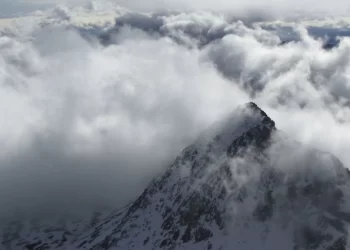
(241, 185)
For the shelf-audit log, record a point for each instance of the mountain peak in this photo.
(253, 105)
(243, 126)
(256, 110)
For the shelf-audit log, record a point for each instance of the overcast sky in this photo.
(9, 8)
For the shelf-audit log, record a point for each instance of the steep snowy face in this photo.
(241, 185)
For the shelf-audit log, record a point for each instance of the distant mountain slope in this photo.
(241, 185)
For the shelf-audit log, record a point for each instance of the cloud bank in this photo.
(87, 124)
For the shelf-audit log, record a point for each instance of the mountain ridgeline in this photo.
(242, 185)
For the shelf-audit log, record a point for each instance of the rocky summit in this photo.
(241, 185)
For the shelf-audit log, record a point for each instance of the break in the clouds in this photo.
(91, 113)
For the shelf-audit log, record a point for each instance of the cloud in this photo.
(88, 125)
(84, 123)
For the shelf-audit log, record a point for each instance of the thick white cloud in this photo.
(87, 125)
(83, 123)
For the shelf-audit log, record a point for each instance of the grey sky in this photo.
(282, 7)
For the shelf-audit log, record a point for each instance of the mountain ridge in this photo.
(241, 185)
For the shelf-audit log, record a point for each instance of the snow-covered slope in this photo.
(241, 185)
